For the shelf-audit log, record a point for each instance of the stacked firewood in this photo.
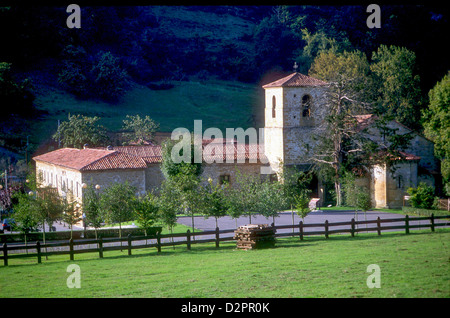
(254, 236)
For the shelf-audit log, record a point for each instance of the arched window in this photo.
(274, 105)
(306, 106)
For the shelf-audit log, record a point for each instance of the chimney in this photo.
(109, 147)
(85, 146)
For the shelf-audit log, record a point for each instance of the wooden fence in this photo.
(299, 230)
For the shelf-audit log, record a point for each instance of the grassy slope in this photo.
(415, 265)
(219, 104)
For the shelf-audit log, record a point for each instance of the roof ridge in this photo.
(296, 79)
(97, 160)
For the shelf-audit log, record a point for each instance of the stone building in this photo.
(70, 169)
(294, 106)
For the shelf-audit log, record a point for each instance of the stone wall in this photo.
(389, 186)
(135, 178)
(215, 170)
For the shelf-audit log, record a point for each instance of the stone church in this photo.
(292, 110)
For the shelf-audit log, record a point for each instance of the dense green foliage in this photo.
(79, 130)
(15, 97)
(421, 197)
(437, 125)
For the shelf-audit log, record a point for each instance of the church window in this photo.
(274, 105)
(400, 182)
(306, 106)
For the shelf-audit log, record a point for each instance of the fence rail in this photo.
(298, 230)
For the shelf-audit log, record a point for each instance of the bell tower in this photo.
(292, 106)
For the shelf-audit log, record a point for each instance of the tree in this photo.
(294, 183)
(437, 125)
(109, 78)
(138, 130)
(92, 208)
(337, 134)
(271, 198)
(302, 203)
(72, 213)
(183, 176)
(79, 130)
(169, 203)
(244, 196)
(51, 205)
(170, 167)
(26, 213)
(146, 211)
(397, 84)
(356, 195)
(215, 200)
(73, 76)
(117, 203)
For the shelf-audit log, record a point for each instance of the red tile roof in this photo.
(91, 159)
(296, 80)
(137, 157)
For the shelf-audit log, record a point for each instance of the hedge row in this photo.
(422, 212)
(77, 234)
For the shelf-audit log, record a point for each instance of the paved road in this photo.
(285, 218)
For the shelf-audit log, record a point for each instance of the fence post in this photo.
(5, 254)
(406, 224)
(352, 231)
(38, 250)
(129, 244)
(326, 228)
(158, 241)
(71, 249)
(301, 230)
(100, 247)
(217, 237)
(379, 226)
(432, 222)
(188, 239)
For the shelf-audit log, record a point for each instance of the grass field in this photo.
(415, 265)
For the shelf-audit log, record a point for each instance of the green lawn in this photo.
(415, 265)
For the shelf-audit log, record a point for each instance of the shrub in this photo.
(422, 197)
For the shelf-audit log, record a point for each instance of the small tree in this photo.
(92, 209)
(422, 197)
(72, 213)
(244, 196)
(26, 213)
(146, 211)
(117, 203)
(302, 203)
(272, 199)
(214, 203)
(169, 203)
